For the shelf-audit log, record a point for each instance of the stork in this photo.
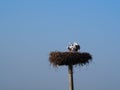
(74, 47)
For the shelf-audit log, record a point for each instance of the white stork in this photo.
(74, 47)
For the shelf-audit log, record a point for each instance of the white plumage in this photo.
(73, 47)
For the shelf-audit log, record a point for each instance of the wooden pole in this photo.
(70, 75)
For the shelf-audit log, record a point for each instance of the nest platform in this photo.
(69, 58)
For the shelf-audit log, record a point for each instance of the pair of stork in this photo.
(74, 47)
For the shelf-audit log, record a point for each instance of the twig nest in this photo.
(69, 58)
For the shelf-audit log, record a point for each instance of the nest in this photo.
(69, 58)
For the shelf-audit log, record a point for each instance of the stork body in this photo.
(74, 47)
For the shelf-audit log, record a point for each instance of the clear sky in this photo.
(31, 29)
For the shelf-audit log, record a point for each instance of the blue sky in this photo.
(31, 29)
